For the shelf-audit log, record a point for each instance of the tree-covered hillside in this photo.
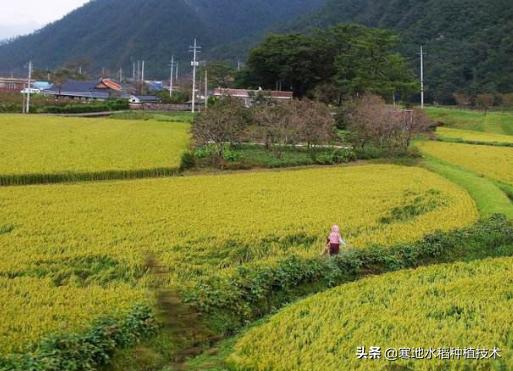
(109, 33)
(469, 43)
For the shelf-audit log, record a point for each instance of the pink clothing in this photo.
(335, 237)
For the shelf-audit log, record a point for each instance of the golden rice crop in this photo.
(199, 226)
(489, 161)
(51, 145)
(460, 306)
(468, 135)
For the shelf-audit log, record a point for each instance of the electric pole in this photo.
(177, 65)
(195, 50)
(121, 74)
(27, 110)
(421, 76)
(142, 78)
(171, 76)
(206, 88)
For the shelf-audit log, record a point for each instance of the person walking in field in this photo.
(334, 241)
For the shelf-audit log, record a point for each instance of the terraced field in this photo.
(490, 161)
(77, 251)
(473, 136)
(459, 306)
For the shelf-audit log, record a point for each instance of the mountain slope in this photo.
(469, 43)
(109, 33)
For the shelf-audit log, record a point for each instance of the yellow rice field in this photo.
(78, 250)
(463, 306)
(50, 145)
(490, 161)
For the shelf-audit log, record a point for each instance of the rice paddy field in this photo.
(50, 145)
(76, 251)
(458, 306)
(489, 161)
(491, 122)
(473, 136)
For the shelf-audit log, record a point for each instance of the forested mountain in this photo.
(468, 43)
(109, 33)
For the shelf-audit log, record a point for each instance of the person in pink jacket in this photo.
(334, 241)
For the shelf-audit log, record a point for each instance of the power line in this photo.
(195, 49)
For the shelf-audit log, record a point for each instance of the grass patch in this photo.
(491, 122)
(489, 198)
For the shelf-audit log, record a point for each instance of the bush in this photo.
(188, 161)
(113, 105)
(90, 350)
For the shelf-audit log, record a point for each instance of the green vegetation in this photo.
(256, 156)
(492, 122)
(110, 105)
(488, 197)
(334, 64)
(468, 42)
(62, 42)
(50, 149)
(90, 350)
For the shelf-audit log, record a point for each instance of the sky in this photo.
(19, 17)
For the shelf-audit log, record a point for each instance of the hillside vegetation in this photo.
(469, 43)
(110, 33)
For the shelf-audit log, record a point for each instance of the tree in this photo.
(343, 61)
(274, 125)
(221, 126)
(220, 74)
(374, 123)
(314, 122)
(485, 101)
(289, 61)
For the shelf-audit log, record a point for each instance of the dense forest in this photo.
(468, 43)
(111, 33)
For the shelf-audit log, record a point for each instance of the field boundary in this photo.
(71, 177)
(489, 196)
(473, 142)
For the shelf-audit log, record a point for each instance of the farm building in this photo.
(86, 90)
(248, 96)
(12, 84)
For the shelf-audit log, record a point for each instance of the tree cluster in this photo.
(274, 125)
(376, 124)
(331, 65)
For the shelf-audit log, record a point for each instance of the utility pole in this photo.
(133, 71)
(177, 65)
(171, 76)
(195, 50)
(206, 88)
(120, 74)
(142, 78)
(27, 110)
(421, 76)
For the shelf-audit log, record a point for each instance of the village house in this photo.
(102, 89)
(248, 96)
(12, 84)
